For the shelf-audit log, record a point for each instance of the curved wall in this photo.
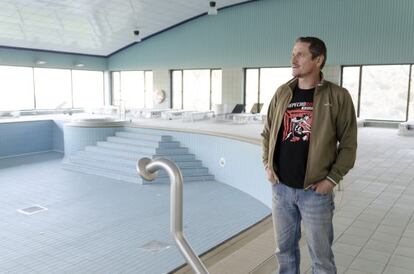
(243, 167)
(261, 33)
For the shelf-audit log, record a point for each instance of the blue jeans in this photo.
(290, 207)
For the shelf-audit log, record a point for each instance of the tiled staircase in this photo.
(117, 156)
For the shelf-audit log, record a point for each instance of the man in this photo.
(309, 144)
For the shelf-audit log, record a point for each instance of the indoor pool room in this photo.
(140, 136)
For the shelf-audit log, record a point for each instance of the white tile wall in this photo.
(332, 73)
(232, 82)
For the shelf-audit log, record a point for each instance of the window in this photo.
(16, 88)
(132, 89)
(28, 88)
(262, 83)
(53, 88)
(384, 92)
(270, 80)
(149, 102)
(252, 88)
(116, 88)
(87, 88)
(196, 89)
(350, 81)
(177, 89)
(216, 90)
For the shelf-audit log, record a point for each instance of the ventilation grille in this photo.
(155, 246)
(32, 209)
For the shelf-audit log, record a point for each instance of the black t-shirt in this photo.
(292, 145)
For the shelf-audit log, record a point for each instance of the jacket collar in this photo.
(292, 83)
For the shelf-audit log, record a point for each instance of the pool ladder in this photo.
(147, 168)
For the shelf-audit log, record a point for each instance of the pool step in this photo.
(130, 168)
(116, 158)
(143, 148)
(139, 142)
(129, 161)
(135, 155)
(127, 177)
(142, 135)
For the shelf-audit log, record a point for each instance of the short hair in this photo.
(316, 46)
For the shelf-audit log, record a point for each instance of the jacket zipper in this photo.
(311, 139)
(277, 128)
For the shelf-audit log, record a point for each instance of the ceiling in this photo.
(95, 27)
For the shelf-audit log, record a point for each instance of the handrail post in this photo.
(147, 169)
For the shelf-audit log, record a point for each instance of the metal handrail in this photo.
(147, 169)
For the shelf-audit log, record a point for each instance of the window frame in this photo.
(35, 98)
(360, 94)
(33, 86)
(145, 71)
(259, 81)
(182, 85)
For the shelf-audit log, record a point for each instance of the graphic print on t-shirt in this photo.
(297, 122)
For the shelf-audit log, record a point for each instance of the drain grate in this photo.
(155, 246)
(32, 209)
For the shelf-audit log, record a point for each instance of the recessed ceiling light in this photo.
(137, 35)
(212, 9)
(41, 62)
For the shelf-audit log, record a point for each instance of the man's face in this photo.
(302, 63)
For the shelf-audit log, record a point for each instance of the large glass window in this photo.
(262, 83)
(350, 81)
(384, 92)
(177, 89)
(149, 102)
(87, 88)
(252, 88)
(270, 80)
(216, 87)
(53, 88)
(132, 89)
(28, 88)
(16, 88)
(196, 89)
(116, 88)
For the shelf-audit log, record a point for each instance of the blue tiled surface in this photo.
(25, 137)
(57, 136)
(77, 138)
(18, 138)
(97, 225)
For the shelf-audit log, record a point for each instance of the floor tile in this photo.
(367, 266)
(396, 270)
(374, 255)
(343, 260)
(380, 246)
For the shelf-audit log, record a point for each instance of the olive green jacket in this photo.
(333, 141)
